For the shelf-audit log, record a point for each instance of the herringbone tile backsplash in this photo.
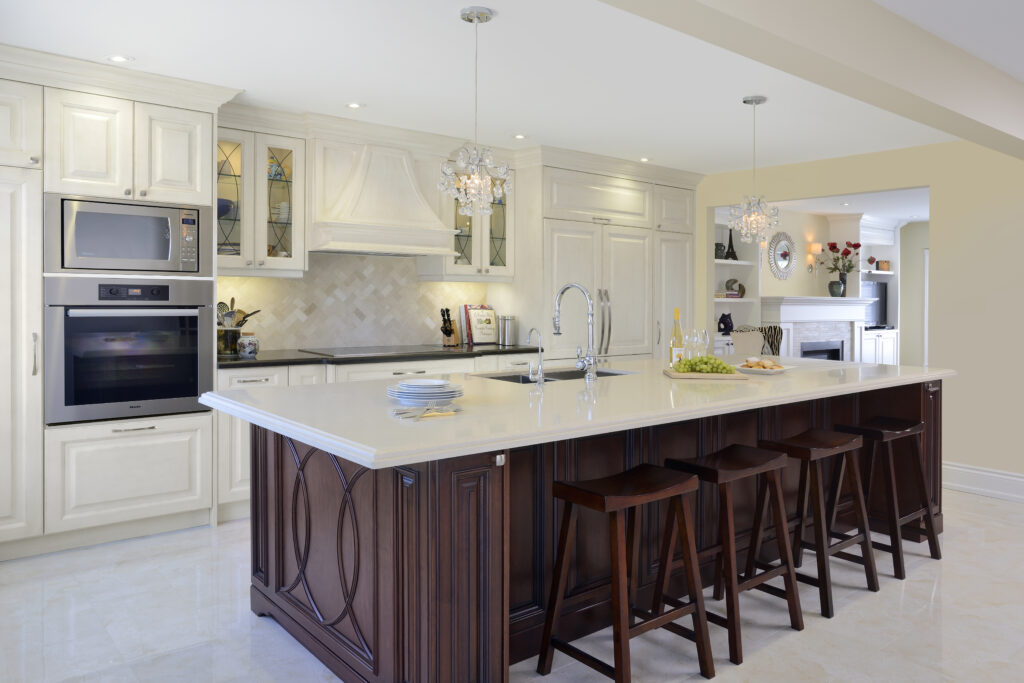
(348, 300)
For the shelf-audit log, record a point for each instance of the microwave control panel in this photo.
(121, 292)
(189, 240)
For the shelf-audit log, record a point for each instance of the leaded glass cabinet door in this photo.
(234, 199)
(498, 251)
(280, 203)
(466, 244)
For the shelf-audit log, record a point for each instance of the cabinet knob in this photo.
(479, 270)
(260, 263)
(142, 193)
(128, 192)
(499, 460)
(248, 263)
(33, 160)
(487, 270)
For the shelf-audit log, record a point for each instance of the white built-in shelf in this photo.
(731, 262)
(878, 272)
(734, 301)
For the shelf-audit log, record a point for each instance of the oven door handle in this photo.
(133, 312)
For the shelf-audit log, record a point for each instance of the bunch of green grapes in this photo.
(706, 364)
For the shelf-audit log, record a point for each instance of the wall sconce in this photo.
(814, 250)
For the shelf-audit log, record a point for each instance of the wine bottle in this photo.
(675, 342)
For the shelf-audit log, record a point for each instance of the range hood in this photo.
(367, 200)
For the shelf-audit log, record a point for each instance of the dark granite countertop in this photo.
(365, 354)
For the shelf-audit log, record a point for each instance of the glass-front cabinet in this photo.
(483, 245)
(260, 203)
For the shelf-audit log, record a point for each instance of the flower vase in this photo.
(836, 288)
(842, 278)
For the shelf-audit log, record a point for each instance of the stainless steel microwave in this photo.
(87, 235)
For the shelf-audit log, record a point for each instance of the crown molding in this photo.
(259, 119)
(56, 71)
(601, 165)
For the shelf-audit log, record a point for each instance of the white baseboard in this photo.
(983, 481)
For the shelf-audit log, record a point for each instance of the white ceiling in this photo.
(895, 205)
(574, 73)
(988, 29)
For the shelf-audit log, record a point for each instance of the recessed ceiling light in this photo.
(519, 136)
(120, 59)
(844, 203)
(354, 105)
(644, 159)
(914, 216)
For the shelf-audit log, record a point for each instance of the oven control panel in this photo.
(129, 292)
(189, 240)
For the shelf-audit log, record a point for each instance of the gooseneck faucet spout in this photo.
(586, 363)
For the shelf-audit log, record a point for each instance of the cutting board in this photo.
(703, 375)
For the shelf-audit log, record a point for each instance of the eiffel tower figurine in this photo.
(730, 253)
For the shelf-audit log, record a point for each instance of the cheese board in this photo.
(702, 375)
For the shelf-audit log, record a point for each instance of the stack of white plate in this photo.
(422, 392)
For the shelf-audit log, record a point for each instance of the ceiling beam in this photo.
(860, 49)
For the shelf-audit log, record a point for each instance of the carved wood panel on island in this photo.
(441, 570)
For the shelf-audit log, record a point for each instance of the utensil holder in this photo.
(227, 342)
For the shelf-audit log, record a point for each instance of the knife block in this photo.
(452, 340)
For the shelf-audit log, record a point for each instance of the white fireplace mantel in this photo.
(799, 309)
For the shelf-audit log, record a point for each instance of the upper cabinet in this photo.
(674, 209)
(260, 204)
(108, 147)
(21, 124)
(172, 154)
(577, 196)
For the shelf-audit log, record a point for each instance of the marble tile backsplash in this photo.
(348, 300)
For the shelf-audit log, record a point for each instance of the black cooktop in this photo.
(358, 351)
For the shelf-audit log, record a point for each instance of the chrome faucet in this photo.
(589, 362)
(539, 377)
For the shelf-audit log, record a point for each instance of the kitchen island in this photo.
(422, 550)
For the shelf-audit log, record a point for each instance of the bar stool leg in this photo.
(668, 545)
(796, 616)
(926, 503)
(565, 537)
(620, 596)
(718, 591)
(801, 502)
(693, 585)
(757, 532)
(727, 524)
(837, 493)
(632, 558)
(821, 541)
(853, 473)
(895, 538)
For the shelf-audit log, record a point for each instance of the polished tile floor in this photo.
(175, 607)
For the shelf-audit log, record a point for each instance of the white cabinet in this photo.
(172, 154)
(87, 144)
(484, 245)
(573, 195)
(21, 387)
(21, 124)
(261, 204)
(106, 472)
(108, 147)
(233, 434)
(500, 362)
(674, 209)
(880, 346)
(354, 372)
(314, 373)
(673, 287)
(600, 257)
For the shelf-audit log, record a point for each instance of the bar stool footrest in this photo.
(755, 581)
(584, 657)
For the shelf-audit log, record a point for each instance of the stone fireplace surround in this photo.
(817, 319)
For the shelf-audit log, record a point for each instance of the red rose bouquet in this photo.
(842, 260)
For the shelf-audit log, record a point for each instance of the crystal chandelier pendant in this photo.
(754, 219)
(475, 181)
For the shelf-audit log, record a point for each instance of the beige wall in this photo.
(913, 242)
(974, 212)
(804, 228)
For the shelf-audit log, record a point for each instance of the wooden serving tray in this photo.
(702, 375)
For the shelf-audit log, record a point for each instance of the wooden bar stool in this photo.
(618, 495)
(723, 468)
(811, 448)
(884, 430)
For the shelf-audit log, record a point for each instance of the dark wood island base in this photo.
(439, 571)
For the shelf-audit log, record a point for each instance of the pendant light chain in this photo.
(754, 218)
(753, 170)
(476, 83)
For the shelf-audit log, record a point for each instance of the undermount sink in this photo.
(549, 376)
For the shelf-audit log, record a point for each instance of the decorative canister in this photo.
(719, 250)
(248, 345)
(227, 342)
(883, 265)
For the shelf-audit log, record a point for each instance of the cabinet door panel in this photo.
(673, 287)
(21, 124)
(280, 234)
(580, 196)
(674, 209)
(172, 154)
(21, 391)
(87, 144)
(306, 374)
(574, 252)
(107, 472)
(627, 279)
(236, 190)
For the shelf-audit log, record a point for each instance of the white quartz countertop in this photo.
(353, 419)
